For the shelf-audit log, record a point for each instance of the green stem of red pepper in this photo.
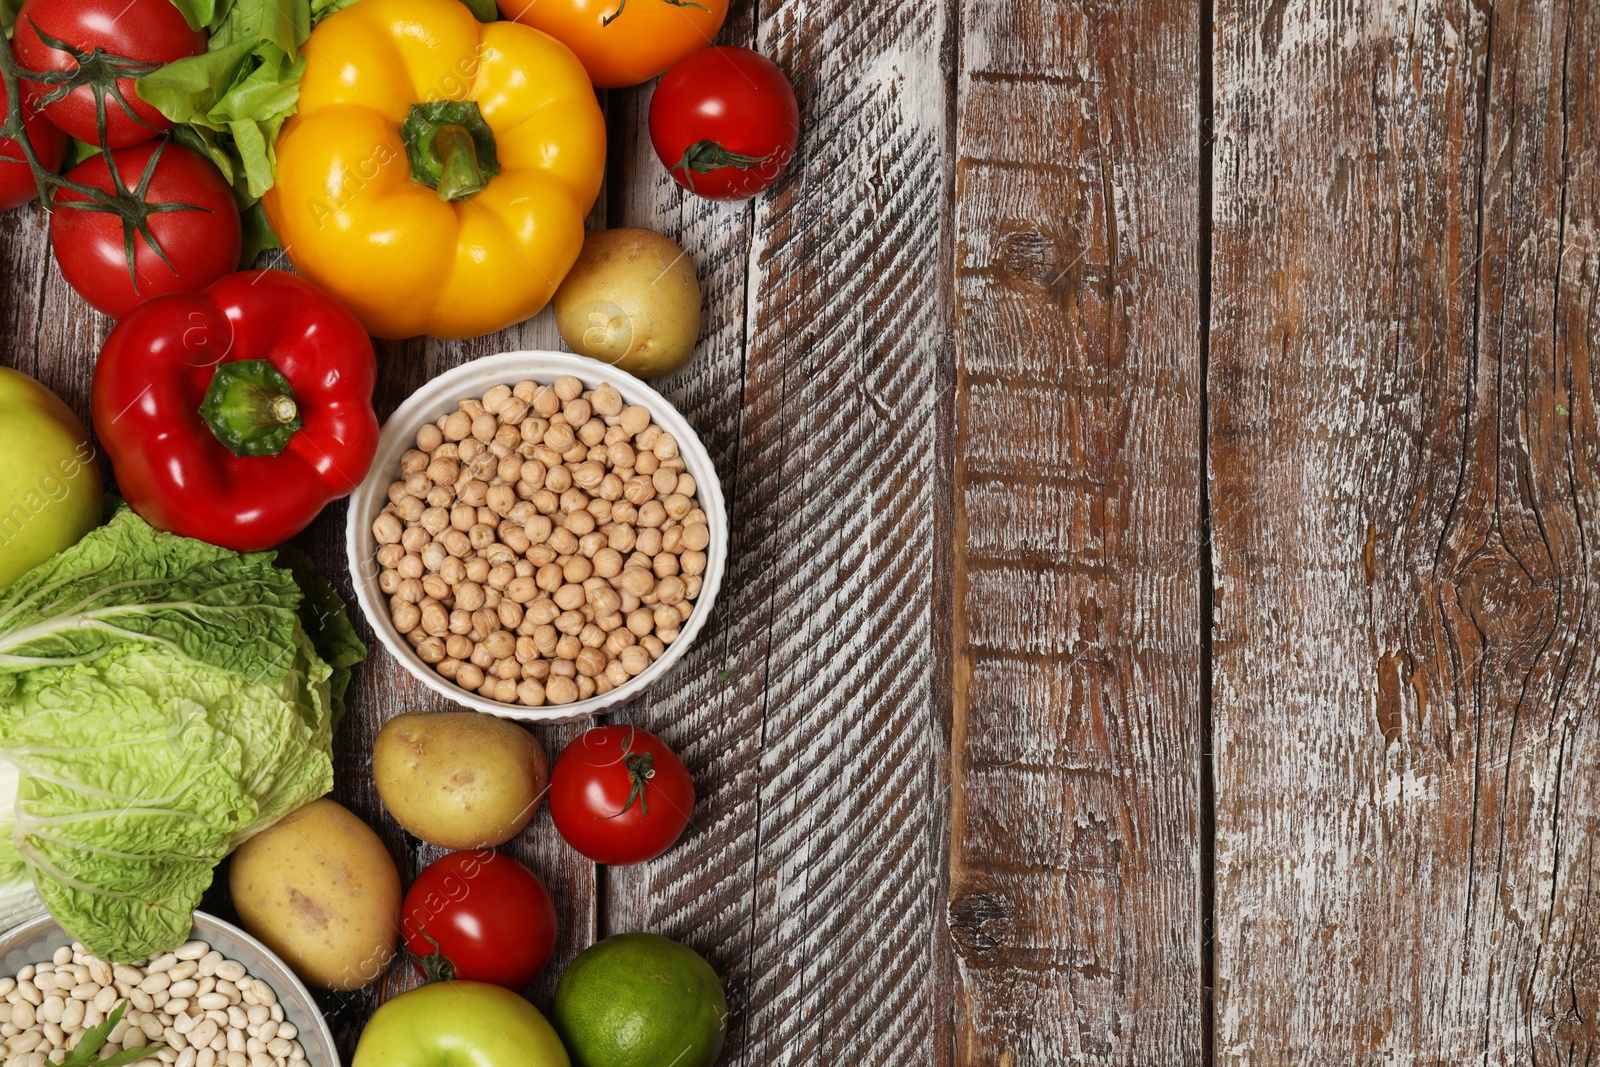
(250, 408)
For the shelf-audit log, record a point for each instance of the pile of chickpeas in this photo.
(543, 544)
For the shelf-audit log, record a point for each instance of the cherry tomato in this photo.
(619, 795)
(118, 41)
(480, 917)
(725, 123)
(623, 42)
(17, 186)
(200, 241)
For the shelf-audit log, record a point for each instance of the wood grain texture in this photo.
(813, 878)
(1403, 468)
(1075, 849)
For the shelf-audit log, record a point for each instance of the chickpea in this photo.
(440, 496)
(562, 668)
(470, 676)
(590, 662)
(664, 566)
(530, 693)
(563, 541)
(646, 465)
(619, 639)
(481, 657)
(543, 611)
(511, 614)
(568, 647)
(691, 585)
(546, 501)
(514, 537)
(501, 644)
(570, 623)
(389, 556)
(514, 411)
(600, 511)
(448, 668)
(641, 621)
(648, 542)
(622, 538)
(692, 563)
(653, 645)
(664, 481)
(637, 490)
(387, 528)
(635, 660)
(550, 578)
(389, 582)
(429, 438)
(638, 581)
(481, 536)
(652, 514)
(558, 438)
(580, 523)
(545, 639)
(561, 690)
(606, 400)
(577, 569)
(672, 539)
(435, 617)
(611, 487)
(593, 434)
(559, 480)
(635, 420)
(570, 597)
(444, 472)
(670, 590)
(406, 616)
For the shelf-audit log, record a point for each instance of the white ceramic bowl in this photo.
(36, 940)
(442, 396)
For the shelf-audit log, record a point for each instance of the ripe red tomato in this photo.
(619, 795)
(724, 122)
(131, 39)
(480, 917)
(17, 186)
(200, 245)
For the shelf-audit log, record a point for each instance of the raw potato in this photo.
(323, 893)
(460, 779)
(631, 301)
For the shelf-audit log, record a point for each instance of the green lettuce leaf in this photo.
(161, 701)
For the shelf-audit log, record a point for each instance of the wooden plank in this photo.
(807, 713)
(1403, 467)
(1075, 855)
(709, 709)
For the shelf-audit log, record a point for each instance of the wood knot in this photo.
(1505, 603)
(979, 921)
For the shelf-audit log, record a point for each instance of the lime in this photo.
(639, 1000)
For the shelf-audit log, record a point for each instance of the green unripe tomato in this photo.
(50, 489)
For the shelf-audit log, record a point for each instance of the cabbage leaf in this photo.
(161, 700)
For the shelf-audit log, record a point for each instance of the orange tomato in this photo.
(623, 42)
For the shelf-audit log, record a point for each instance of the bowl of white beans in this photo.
(222, 999)
(540, 537)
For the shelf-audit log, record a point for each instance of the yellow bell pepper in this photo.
(438, 173)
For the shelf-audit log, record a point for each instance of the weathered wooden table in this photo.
(1161, 444)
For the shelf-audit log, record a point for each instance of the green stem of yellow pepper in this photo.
(451, 148)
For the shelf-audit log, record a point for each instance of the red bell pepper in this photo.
(236, 414)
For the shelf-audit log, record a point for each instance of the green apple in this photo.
(459, 1024)
(50, 490)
